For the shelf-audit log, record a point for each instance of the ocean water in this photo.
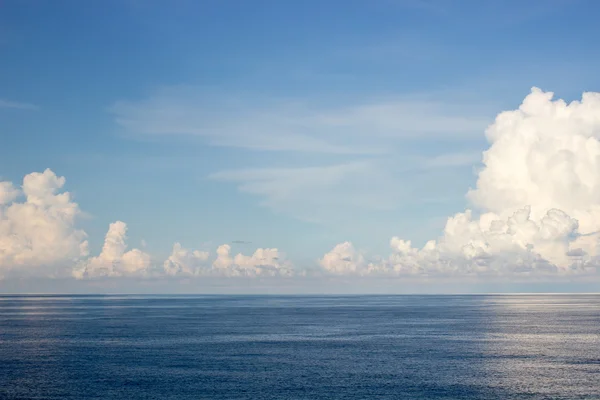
(297, 347)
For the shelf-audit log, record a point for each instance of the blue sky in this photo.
(291, 125)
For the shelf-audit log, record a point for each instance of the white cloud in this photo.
(344, 259)
(38, 237)
(490, 245)
(364, 127)
(539, 193)
(326, 186)
(17, 105)
(264, 262)
(39, 231)
(114, 261)
(186, 111)
(449, 160)
(545, 154)
(8, 192)
(311, 192)
(329, 193)
(535, 210)
(185, 262)
(402, 119)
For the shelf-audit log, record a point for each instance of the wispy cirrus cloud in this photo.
(492, 12)
(449, 160)
(366, 154)
(303, 125)
(326, 192)
(310, 192)
(4, 103)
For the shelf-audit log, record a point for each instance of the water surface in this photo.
(300, 347)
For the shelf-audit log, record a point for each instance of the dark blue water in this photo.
(388, 347)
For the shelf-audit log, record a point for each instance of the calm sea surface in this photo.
(254, 347)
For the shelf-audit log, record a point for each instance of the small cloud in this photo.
(114, 260)
(17, 105)
(265, 262)
(240, 242)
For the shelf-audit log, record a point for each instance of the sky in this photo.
(295, 147)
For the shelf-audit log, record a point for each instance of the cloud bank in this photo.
(264, 262)
(535, 210)
(39, 237)
(537, 201)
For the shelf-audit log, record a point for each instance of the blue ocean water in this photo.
(295, 347)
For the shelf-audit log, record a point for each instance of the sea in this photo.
(300, 347)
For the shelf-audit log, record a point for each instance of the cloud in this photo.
(329, 193)
(39, 238)
(538, 197)
(545, 154)
(404, 119)
(185, 262)
(366, 127)
(365, 157)
(17, 105)
(534, 211)
(343, 259)
(477, 247)
(8, 193)
(264, 262)
(493, 246)
(493, 14)
(305, 191)
(185, 111)
(114, 261)
(450, 160)
(40, 230)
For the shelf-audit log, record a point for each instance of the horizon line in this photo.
(302, 294)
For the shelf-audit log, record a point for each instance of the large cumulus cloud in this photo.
(536, 206)
(37, 225)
